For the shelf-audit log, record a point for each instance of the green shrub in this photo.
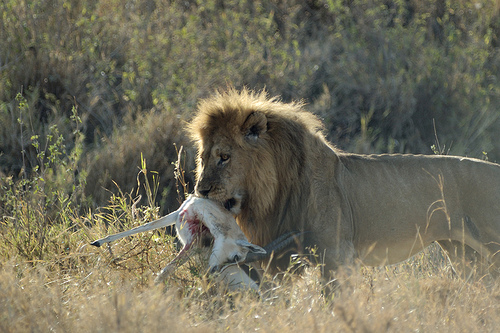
(379, 73)
(47, 196)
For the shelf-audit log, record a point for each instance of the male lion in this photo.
(269, 163)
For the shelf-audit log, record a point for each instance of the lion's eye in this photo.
(224, 157)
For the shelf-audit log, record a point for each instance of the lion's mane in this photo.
(278, 184)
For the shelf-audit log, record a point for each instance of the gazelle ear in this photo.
(252, 248)
(254, 126)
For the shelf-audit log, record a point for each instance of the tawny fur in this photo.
(270, 163)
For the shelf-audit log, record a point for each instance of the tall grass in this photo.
(99, 297)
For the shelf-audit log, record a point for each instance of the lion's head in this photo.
(251, 156)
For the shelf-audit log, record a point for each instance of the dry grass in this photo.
(417, 296)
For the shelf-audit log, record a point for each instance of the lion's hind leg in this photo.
(466, 261)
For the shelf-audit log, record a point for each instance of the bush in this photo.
(47, 198)
(115, 165)
(385, 76)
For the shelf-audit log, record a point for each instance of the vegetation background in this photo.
(94, 95)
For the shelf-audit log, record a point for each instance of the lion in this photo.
(269, 163)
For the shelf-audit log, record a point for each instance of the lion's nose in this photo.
(204, 191)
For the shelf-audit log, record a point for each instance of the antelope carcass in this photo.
(199, 219)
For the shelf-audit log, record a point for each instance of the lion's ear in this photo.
(254, 126)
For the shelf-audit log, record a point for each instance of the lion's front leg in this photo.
(335, 263)
(341, 257)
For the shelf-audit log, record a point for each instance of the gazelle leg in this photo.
(178, 261)
(162, 222)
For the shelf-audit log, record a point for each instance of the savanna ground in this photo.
(94, 95)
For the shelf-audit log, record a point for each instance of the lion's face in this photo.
(234, 160)
(221, 173)
(249, 155)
